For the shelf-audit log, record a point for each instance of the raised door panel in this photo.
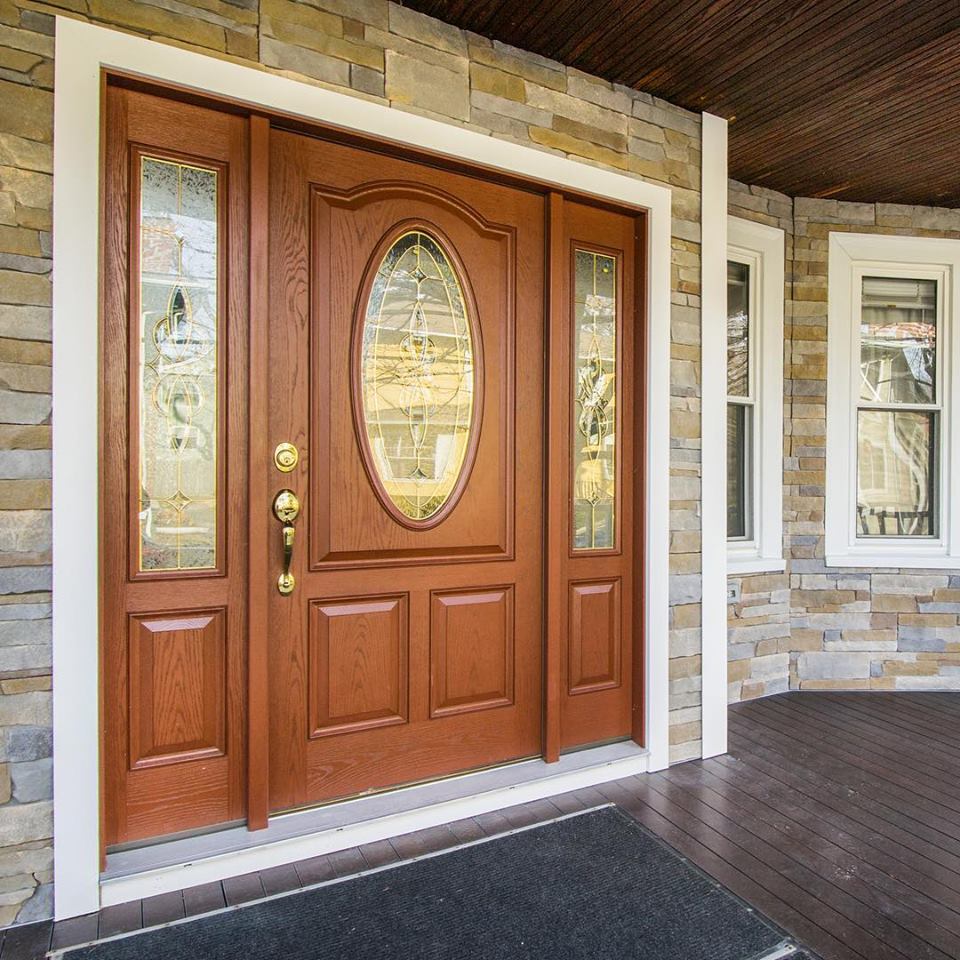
(177, 687)
(471, 650)
(594, 662)
(358, 664)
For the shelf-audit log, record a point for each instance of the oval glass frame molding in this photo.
(417, 370)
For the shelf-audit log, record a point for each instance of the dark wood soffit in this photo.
(851, 99)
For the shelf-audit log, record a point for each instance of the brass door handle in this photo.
(286, 507)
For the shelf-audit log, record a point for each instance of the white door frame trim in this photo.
(83, 52)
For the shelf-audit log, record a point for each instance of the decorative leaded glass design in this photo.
(417, 376)
(595, 401)
(177, 373)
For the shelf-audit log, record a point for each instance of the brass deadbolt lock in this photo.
(286, 457)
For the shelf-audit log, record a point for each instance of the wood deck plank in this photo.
(899, 915)
(885, 824)
(842, 763)
(203, 898)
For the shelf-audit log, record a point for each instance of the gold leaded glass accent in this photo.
(417, 375)
(178, 416)
(594, 401)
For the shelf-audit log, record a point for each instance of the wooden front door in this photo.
(406, 362)
(351, 537)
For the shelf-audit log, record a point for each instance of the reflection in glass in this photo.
(177, 372)
(738, 418)
(595, 399)
(417, 375)
(898, 340)
(738, 329)
(895, 473)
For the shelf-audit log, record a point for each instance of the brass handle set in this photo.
(286, 508)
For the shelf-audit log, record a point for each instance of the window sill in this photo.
(741, 565)
(910, 561)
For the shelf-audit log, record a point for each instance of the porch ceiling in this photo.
(850, 99)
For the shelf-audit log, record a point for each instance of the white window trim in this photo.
(762, 248)
(851, 257)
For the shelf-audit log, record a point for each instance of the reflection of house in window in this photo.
(896, 420)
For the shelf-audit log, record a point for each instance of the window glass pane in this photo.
(417, 375)
(898, 340)
(178, 415)
(738, 329)
(595, 399)
(738, 456)
(895, 473)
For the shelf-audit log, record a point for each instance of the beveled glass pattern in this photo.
(898, 340)
(895, 473)
(417, 375)
(178, 416)
(738, 329)
(594, 401)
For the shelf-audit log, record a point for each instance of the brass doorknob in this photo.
(286, 508)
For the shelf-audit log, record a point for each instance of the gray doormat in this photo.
(595, 885)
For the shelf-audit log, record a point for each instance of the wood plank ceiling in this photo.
(851, 99)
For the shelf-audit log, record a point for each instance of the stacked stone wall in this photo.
(759, 622)
(367, 48)
(861, 629)
(833, 628)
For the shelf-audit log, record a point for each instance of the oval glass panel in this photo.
(417, 376)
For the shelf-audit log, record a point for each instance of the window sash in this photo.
(740, 482)
(746, 461)
(895, 526)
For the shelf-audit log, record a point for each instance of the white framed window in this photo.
(891, 433)
(755, 257)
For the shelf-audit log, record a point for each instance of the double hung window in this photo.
(889, 476)
(755, 290)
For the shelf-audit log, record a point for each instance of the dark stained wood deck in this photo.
(836, 815)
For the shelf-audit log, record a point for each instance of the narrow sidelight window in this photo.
(741, 401)
(177, 373)
(898, 409)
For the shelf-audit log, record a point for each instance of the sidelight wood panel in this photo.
(173, 695)
(177, 685)
(594, 657)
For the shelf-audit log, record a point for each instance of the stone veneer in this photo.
(369, 48)
(860, 629)
(759, 624)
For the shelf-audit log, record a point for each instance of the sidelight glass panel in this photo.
(738, 329)
(898, 340)
(417, 376)
(595, 401)
(896, 467)
(177, 371)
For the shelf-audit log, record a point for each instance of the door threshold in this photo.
(189, 861)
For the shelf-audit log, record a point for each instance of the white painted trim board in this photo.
(713, 433)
